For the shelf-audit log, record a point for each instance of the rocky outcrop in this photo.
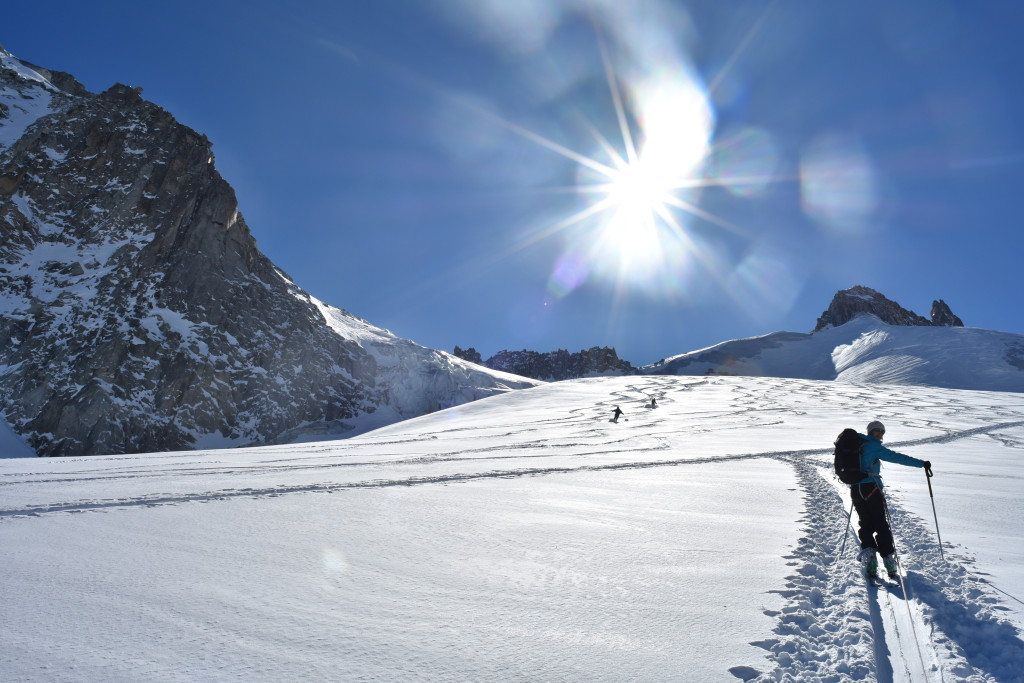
(470, 354)
(849, 303)
(136, 311)
(554, 365)
(942, 316)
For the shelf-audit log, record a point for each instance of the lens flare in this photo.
(570, 272)
(763, 284)
(838, 184)
(334, 562)
(745, 162)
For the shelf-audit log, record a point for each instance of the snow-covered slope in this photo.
(867, 350)
(22, 106)
(527, 537)
(417, 380)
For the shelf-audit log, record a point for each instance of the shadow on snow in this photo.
(988, 643)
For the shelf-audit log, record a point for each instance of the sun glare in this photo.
(639, 189)
(634, 198)
(634, 201)
(640, 195)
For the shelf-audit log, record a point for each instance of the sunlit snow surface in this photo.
(527, 537)
(869, 351)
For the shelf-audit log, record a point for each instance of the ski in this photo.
(887, 583)
(897, 644)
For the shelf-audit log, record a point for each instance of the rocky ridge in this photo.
(846, 305)
(553, 365)
(849, 303)
(136, 311)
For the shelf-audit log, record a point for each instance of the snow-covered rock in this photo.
(136, 312)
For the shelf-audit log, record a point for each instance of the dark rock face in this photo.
(470, 354)
(555, 365)
(942, 316)
(136, 312)
(849, 303)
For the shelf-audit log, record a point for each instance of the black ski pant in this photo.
(873, 530)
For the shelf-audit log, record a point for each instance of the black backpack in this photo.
(847, 457)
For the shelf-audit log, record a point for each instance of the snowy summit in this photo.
(865, 337)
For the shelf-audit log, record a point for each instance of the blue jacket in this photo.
(873, 453)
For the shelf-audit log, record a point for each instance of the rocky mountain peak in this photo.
(849, 303)
(136, 311)
(943, 317)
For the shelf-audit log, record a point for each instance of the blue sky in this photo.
(569, 173)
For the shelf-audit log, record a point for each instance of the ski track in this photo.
(834, 626)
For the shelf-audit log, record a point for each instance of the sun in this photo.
(639, 196)
(638, 223)
(635, 199)
(638, 201)
(639, 190)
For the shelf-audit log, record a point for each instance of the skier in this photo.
(654, 402)
(874, 531)
(618, 411)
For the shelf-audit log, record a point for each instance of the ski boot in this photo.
(890, 566)
(870, 560)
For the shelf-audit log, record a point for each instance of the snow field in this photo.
(563, 578)
(526, 537)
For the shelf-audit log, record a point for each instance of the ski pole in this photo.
(928, 476)
(846, 532)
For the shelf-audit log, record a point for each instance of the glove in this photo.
(928, 467)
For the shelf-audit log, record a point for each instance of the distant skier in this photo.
(654, 402)
(618, 411)
(874, 531)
